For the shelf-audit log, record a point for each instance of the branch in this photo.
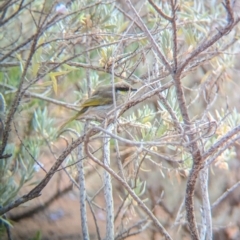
(127, 233)
(42, 206)
(18, 96)
(20, 8)
(130, 191)
(36, 192)
(225, 195)
(223, 140)
(174, 33)
(161, 13)
(151, 39)
(206, 230)
(15, 50)
(108, 191)
(221, 32)
(82, 194)
(189, 203)
(42, 97)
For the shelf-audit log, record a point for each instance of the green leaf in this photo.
(19, 57)
(53, 76)
(35, 68)
(123, 27)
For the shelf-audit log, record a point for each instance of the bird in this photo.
(101, 102)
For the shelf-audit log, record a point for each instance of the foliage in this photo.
(183, 118)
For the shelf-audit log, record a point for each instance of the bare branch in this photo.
(174, 33)
(108, 191)
(220, 33)
(151, 39)
(161, 13)
(223, 140)
(20, 8)
(42, 97)
(130, 191)
(225, 195)
(206, 230)
(82, 192)
(18, 97)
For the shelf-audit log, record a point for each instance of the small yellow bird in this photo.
(101, 102)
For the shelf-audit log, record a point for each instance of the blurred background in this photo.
(54, 55)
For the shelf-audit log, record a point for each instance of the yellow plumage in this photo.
(100, 102)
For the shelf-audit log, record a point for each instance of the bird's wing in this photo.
(93, 102)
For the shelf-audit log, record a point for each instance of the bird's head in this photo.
(118, 87)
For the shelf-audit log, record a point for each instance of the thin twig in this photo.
(159, 10)
(36, 191)
(174, 33)
(18, 96)
(130, 191)
(94, 219)
(220, 33)
(225, 195)
(223, 140)
(27, 150)
(150, 37)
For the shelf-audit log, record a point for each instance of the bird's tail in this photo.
(75, 117)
